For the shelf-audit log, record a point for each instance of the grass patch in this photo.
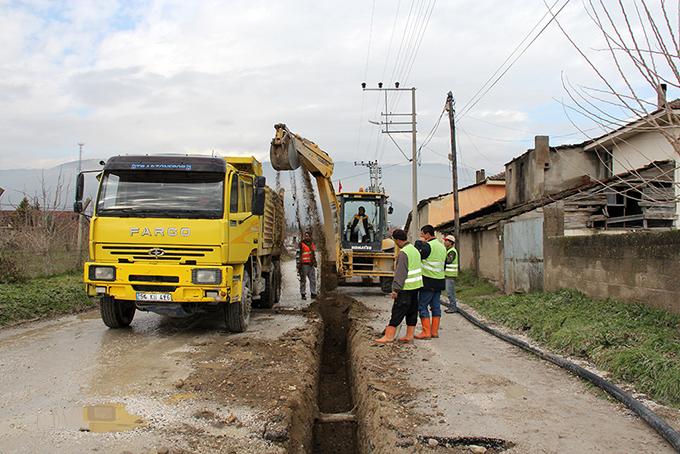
(635, 343)
(42, 297)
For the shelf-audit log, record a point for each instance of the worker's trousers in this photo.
(405, 307)
(451, 292)
(307, 272)
(428, 300)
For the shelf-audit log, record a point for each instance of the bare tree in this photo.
(642, 48)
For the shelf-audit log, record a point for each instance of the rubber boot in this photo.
(388, 336)
(425, 334)
(435, 326)
(409, 334)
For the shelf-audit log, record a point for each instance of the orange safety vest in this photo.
(306, 253)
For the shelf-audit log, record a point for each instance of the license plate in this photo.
(141, 296)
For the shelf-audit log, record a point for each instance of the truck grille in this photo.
(162, 253)
(154, 288)
(146, 278)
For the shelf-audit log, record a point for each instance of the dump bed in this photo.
(272, 224)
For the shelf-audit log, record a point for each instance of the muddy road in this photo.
(304, 378)
(72, 385)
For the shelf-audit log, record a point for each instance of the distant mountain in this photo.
(55, 187)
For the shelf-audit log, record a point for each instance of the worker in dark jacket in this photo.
(407, 281)
(433, 255)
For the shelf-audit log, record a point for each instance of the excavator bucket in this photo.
(282, 152)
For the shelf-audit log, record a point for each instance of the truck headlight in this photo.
(102, 273)
(206, 276)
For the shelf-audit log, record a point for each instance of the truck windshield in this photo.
(135, 193)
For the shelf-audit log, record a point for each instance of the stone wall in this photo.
(640, 267)
(481, 251)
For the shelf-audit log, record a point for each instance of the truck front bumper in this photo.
(162, 283)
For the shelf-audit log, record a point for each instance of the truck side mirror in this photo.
(258, 199)
(80, 187)
(390, 210)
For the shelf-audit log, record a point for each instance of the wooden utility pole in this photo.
(451, 108)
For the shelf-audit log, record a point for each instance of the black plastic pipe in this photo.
(657, 423)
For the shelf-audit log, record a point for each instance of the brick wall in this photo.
(640, 267)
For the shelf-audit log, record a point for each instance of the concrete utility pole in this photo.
(451, 108)
(79, 233)
(413, 230)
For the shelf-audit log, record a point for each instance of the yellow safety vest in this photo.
(414, 279)
(433, 265)
(451, 269)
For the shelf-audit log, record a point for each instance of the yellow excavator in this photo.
(354, 223)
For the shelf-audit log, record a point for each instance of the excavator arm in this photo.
(289, 151)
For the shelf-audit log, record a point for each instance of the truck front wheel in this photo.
(237, 315)
(116, 314)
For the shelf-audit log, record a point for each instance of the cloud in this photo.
(172, 76)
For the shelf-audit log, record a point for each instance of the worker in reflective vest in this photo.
(450, 273)
(306, 265)
(405, 286)
(433, 255)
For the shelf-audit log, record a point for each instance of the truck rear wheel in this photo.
(277, 281)
(272, 292)
(116, 314)
(237, 315)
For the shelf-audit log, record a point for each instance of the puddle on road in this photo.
(91, 418)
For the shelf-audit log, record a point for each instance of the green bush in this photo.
(42, 297)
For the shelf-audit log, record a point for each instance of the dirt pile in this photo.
(274, 380)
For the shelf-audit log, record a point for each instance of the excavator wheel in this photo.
(386, 284)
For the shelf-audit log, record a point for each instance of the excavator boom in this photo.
(288, 151)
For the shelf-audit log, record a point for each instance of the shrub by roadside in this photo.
(634, 343)
(42, 297)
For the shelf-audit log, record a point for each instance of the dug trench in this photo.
(335, 428)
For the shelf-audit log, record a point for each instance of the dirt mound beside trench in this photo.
(271, 383)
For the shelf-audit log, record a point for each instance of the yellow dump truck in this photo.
(177, 235)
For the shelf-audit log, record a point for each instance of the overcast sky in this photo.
(185, 76)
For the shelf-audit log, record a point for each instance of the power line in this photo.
(404, 79)
(363, 95)
(409, 61)
(432, 132)
(484, 89)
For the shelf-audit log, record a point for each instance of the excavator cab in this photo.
(364, 220)
(366, 251)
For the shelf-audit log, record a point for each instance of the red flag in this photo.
(339, 186)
